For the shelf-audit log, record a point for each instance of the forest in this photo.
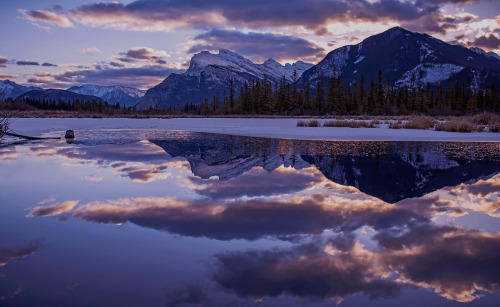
(328, 97)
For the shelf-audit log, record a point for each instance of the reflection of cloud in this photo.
(258, 182)
(251, 219)
(8, 154)
(194, 294)
(12, 254)
(306, 272)
(141, 162)
(481, 196)
(456, 263)
(93, 178)
(56, 209)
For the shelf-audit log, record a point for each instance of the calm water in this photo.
(151, 218)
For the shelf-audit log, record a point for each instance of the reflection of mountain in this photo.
(392, 178)
(391, 171)
(227, 156)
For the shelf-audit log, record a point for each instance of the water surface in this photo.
(175, 218)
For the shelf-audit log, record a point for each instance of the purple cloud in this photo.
(255, 45)
(151, 15)
(27, 63)
(3, 61)
(490, 41)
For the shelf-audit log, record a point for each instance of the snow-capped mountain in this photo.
(58, 95)
(126, 96)
(406, 57)
(9, 89)
(210, 73)
(388, 172)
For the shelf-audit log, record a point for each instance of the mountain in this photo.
(403, 55)
(210, 73)
(386, 170)
(9, 89)
(126, 96)
(58, 95)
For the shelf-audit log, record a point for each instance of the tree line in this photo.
(330, 97)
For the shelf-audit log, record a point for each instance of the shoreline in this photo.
(253, 127)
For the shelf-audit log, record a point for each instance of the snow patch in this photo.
(359, 59)
(426, 52)
(428, 72)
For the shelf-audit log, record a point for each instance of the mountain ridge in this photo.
(209, 73)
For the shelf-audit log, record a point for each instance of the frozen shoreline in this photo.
(258, 127)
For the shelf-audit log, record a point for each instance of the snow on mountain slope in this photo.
(9, 89)
(401, 54)
(233, 61)
(210, 73)
(429, 72)
(126, 96)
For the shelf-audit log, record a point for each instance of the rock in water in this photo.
(70, 134)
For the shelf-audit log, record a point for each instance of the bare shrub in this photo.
(420, 122)
(396, 125)
(310, 123)
(456, 125)
(4, 125)
(349, 123)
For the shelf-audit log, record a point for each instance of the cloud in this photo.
(49, 64)
(92, 50)
(13, 254)
(47, 17)
(258, 45)
(27, 62)
(10, 77)
(147, 54)
(116, 64)
(3, 61)
(140, 77)
(491, 41)
(151, 15)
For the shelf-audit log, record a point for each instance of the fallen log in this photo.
(31, 137)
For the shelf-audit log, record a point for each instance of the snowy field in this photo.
(260, 127)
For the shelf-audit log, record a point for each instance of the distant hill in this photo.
(126, 96)
(58, 95)
(9, 89)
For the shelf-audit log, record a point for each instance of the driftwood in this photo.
(31, 137)
(5, 130)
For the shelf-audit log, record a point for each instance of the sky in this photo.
(58, 44)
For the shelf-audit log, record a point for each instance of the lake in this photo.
(155, 218)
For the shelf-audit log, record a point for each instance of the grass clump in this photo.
(420, 123)
(456, 125)
(310, 123)
(349, 123)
